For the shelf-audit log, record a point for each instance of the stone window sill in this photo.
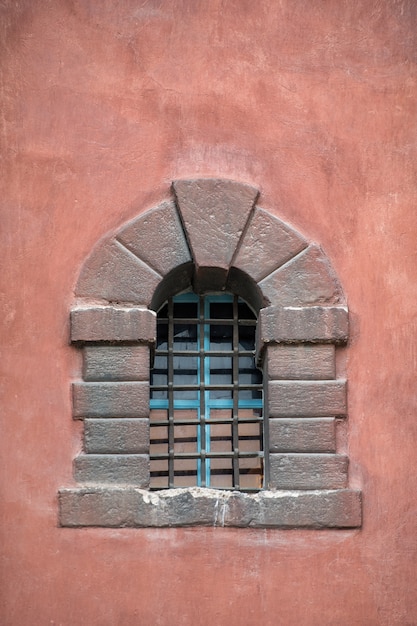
(116, 507)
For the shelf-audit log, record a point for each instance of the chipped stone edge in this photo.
(132, 507)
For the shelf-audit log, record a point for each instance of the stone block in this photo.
(114, 507)
(116, 363)
(306, 398)
(111, 399)
(113, 324)
(116, 436)
(307, 279)
(114, 273)
(267, 244)
(315, 324)
(302, 435)
(157, 238)
(214, 213)
(120, 469)
(300, 362)
(307, 471)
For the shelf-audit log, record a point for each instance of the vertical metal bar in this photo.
(235, 416)
(202, 392)
(171, 469)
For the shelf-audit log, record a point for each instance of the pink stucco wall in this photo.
(104, 103)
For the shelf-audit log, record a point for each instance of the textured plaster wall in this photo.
(103, 104)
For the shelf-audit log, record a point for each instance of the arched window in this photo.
(180, 427)
(206, 424)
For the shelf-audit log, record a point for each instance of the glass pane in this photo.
(221, 310)
(188, 310)
(185, 472)
(221, 373)
(248, 373)
(247, 337)
(244, 312)
(189, 396)
(221, 337)
(250, 394)
(162, 336)
(185, 336)
(185, 438)
(185, 370)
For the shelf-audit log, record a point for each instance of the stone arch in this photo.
(212, 236)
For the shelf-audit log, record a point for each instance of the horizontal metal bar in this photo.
(208, 455)
(210, 387)
(197, 422)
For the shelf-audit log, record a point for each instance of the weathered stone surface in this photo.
(116, 507)
(157, 238)
(214, 213)
(130, 399)
(113, 323)
(307, 471)
(302, 362)
(315, 324)
(116, 363)
(306, 398)
(112, 272)
(307, 279)
(121, 469)
(302, 435)
(267, 244)
(116, 436)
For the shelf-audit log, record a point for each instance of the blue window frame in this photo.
(206, 395)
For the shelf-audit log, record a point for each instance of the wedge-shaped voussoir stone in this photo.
(114, 363)
(112, 272)
(111, 399)
(300, 362)
(312, 324)
(116, 436)
(267, 244)
(157, 238)
(308, 471)
(214, 213)
(120, 469)
(302, 435)
(113, 323)
(287, 398)
(305, 280)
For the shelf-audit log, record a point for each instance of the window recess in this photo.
(206, 424)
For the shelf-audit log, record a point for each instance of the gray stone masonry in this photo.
(114, 273)
(305, 280)
(157, 238)
(115, 507)
(116, 436)
(302, 362)
(127, 399)
(214, 213)
(120, 469)
(288, 398)
(116, 363)
(211, 237)
(308, 471)
(112, 324)
(302, 435)
(267, 244)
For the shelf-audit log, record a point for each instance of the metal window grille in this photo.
(206, 424)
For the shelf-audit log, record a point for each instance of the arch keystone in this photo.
(214, 213)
